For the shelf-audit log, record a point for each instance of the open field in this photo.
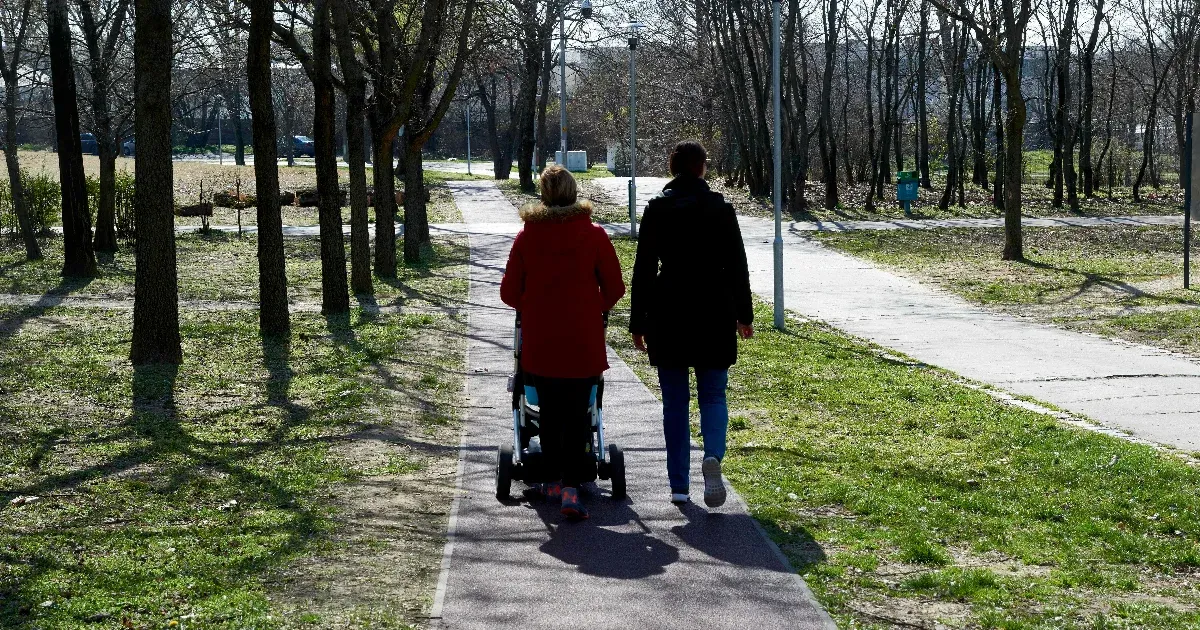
(907, 499)
(1121, 282)
(191, 175)
(263, 483)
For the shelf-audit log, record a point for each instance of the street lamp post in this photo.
(633, 40)
(585, 8)
(220, 134)
(778, 159)
(468, 136)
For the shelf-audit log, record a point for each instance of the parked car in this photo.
(302, 146)
(128, 147)
(90, 147)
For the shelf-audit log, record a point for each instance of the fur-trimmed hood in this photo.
(541, 213)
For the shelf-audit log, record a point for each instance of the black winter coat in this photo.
(690, 284)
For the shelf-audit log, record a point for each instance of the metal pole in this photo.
(778, 159)
(468, 137)
(1188, 196)
(562, 83)
(220, 140)
(632, 134)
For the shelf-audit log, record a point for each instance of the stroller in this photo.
(522, 459)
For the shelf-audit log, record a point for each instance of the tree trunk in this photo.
(384, 197)
(239, 134)
(106, 213)
(922, 108)
(334, 296)
(79, 259)
(825, 130)
(1086, 134)
(156, 291)
(272, 278)
(1014, 137)
(356, 102)
(416, 217)
(868, 97)
(16, 189)
(998, 113)
(501, 160)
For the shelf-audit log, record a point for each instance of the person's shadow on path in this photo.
(732, 539)
(594, 549)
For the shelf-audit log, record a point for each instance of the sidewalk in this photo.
(1147, 392)
(639, 563)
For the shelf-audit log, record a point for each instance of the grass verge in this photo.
(1124, 282)
(262, 483)
(907, 499)
(224, 267)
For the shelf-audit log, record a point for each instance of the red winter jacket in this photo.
(562, 275)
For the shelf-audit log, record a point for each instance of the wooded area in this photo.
(961, 92)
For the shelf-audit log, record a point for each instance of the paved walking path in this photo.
(640, 563)
(1150, 393)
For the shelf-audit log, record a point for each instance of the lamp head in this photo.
(586, 9)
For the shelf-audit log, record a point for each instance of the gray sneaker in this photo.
(714, 486)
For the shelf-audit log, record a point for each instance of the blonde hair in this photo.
(558, 187)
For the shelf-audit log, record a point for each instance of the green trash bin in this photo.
(906, 190)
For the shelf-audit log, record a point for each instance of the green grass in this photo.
(188, 502)
(593, 173)
(904, 497)
(222, 266)
(1120, 281)
(439, 178)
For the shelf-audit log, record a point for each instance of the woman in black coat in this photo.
(690, 300)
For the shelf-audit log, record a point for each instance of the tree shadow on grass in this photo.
(1093, 280)
(166, 453)
(11, 324)
(341, 330)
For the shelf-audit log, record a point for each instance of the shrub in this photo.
(122, 202)
(43, 199)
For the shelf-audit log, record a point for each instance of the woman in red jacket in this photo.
(562, 275)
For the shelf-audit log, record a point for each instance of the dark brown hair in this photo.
(688, 156)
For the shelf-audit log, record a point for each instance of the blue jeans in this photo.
(714, 418)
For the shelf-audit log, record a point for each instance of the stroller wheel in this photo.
(616, 463)
(504, 466)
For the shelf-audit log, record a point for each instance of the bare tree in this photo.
(334, 298)
(103, 26)
(356, 103)
(272, 279)
(156, 304)
(825, 130)
(1000, 26)
(19, 25)
(79, 259)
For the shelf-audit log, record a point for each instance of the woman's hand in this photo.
(639, 342)
(745, 331)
